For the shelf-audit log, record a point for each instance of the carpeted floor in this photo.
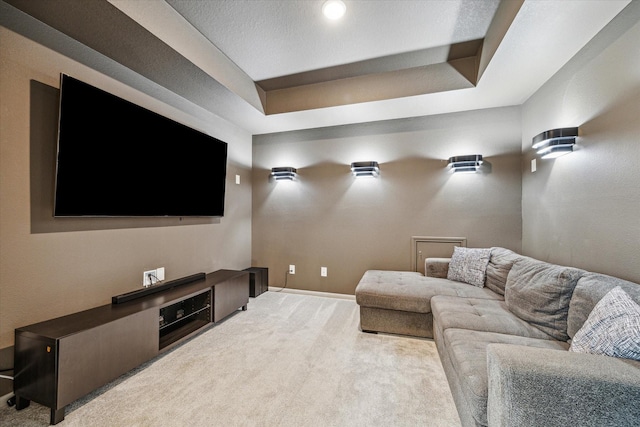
(289, 360)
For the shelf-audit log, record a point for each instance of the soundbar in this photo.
(118, 299)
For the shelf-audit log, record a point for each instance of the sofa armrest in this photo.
(436, 267)
(543, 387)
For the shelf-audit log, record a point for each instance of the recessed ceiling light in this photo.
(334, 9)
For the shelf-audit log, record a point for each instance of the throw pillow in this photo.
(498, 268)
(591, 288)
(469, 265)
(612, 328)
(539, 293)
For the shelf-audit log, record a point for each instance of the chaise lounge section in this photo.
(504, 343)
(399, 302)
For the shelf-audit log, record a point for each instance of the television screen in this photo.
(116, 158)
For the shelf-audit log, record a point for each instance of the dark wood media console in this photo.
(61, 360)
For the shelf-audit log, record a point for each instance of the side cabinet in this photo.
(258, 280)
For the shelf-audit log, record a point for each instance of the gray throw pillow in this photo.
(498, 268)
(469, 265)
(591, 288)
(612, 328)
(539, 293)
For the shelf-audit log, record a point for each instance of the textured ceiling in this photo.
(275, 38)
(272, 66)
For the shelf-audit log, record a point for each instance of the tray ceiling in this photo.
(271, 66)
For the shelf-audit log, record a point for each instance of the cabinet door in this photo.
(433, 247)
(92, 358)
(35, 368)
(230, 295)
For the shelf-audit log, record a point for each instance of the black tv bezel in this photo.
(186, 214)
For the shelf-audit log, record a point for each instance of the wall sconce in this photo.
(467, 164)
(284, 174)
(365, 169)
(555, 142)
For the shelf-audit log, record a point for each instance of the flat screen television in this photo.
(117, 159)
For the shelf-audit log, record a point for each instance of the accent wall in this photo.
(328, 218)
(53, 267)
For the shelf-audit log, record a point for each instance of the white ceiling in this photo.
(275, 38)
(212, 53)
(267, 39)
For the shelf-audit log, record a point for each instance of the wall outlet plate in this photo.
(160, 274)
(323, 271)
(292, 269)
(148, 278)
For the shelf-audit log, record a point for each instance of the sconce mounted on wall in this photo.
(284, 174)
(370, 169)
(555, 142)
(468, 164)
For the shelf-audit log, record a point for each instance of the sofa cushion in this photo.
(410, 291)
(590, 289)
(612, 328)
(480, 315)
(539, 293)
(436, 267)
(500, 264)
(467, 353)
(469, 265)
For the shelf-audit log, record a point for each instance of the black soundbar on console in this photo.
(139, 293)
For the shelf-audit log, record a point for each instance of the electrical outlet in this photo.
(160, 274)
(323, 271)
(148, 278)
(292, 269)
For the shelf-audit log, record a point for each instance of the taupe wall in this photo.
(583, 209)
(328, 218)
(49, 268)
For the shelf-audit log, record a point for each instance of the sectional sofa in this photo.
(522, 342)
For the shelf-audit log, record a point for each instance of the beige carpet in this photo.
(289, 360)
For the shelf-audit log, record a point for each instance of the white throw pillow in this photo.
(469, 265)
(612, 328)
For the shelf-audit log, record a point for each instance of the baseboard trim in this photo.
(313, 293)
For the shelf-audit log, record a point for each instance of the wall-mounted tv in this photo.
(117, 159)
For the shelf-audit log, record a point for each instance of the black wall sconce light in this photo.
(472, 163)
(369, 169)
(284, 174)
(555, 142)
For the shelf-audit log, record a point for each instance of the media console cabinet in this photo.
(61, 360)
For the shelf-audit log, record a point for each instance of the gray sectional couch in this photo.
(504, 346)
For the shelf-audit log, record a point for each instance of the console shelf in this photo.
(188, 318)
(179, 320)
(172, 338)
(52, 358)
